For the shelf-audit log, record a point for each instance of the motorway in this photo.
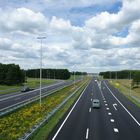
(12, 99)
(117, 119)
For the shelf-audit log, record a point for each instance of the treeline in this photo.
(11, 74)
(78, 73)
(124, 74)
(63, 74)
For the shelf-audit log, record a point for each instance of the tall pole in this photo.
(74, 79)
(130, 83)
(40, 70)
(110, 75)
(54, 74)
(116, 75)
(41, 38)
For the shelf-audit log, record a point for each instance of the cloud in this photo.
(93, 46)
(22, 19)
(5, 43)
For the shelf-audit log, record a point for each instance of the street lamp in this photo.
(74, 76)
(130, 82)
(41, 38)
(110, 75)
(116, 75)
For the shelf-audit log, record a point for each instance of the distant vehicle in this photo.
(95, 80)
(25, 89)
(96, 103)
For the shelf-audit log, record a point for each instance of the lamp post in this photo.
(110, 75)
(41, 38)
(74, 78)
(116, 75)
(130, 82)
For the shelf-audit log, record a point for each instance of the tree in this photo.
(136, 78)
(11, 74)
(49, 73)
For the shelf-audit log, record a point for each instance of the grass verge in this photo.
(46, 129)
(123, 87)
(31, 82)
(16, 124)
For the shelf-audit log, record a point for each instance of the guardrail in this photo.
(46, 118)
(12, 108)
(29, 92)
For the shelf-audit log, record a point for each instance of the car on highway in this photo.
(25, 89)
(96, 103)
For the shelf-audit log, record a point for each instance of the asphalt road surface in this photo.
(117, 119)
(15, 98)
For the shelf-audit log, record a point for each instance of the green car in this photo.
(96, 103)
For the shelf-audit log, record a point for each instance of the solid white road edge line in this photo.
(87, 132)
(69, 113)
(122, 105)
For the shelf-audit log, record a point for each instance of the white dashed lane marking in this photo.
(112, 120)
(87, 133)
(116, 130)
(89, 109)
(109, 113)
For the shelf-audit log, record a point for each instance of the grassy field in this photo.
(124, 86)
(31, 82)
(15, 124)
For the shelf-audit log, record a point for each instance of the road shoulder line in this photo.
(123, 106)
(69, 113)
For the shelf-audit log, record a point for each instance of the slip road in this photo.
(117, 119)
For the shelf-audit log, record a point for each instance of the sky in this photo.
(82, 35)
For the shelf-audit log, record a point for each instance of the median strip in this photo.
(32, 116)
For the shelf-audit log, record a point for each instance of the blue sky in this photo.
(96, 35)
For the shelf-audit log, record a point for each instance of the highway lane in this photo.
(106, 123)
(126, 115)
(76, 125)
(99, 125)
(2, 96)
(11, 100)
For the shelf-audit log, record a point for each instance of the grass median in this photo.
(47, 128)
(16, 124)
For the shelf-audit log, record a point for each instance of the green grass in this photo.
(34, 82)
(124, 86)
(31, 82)
(46, 129)
(22, 120)
(76, 77)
